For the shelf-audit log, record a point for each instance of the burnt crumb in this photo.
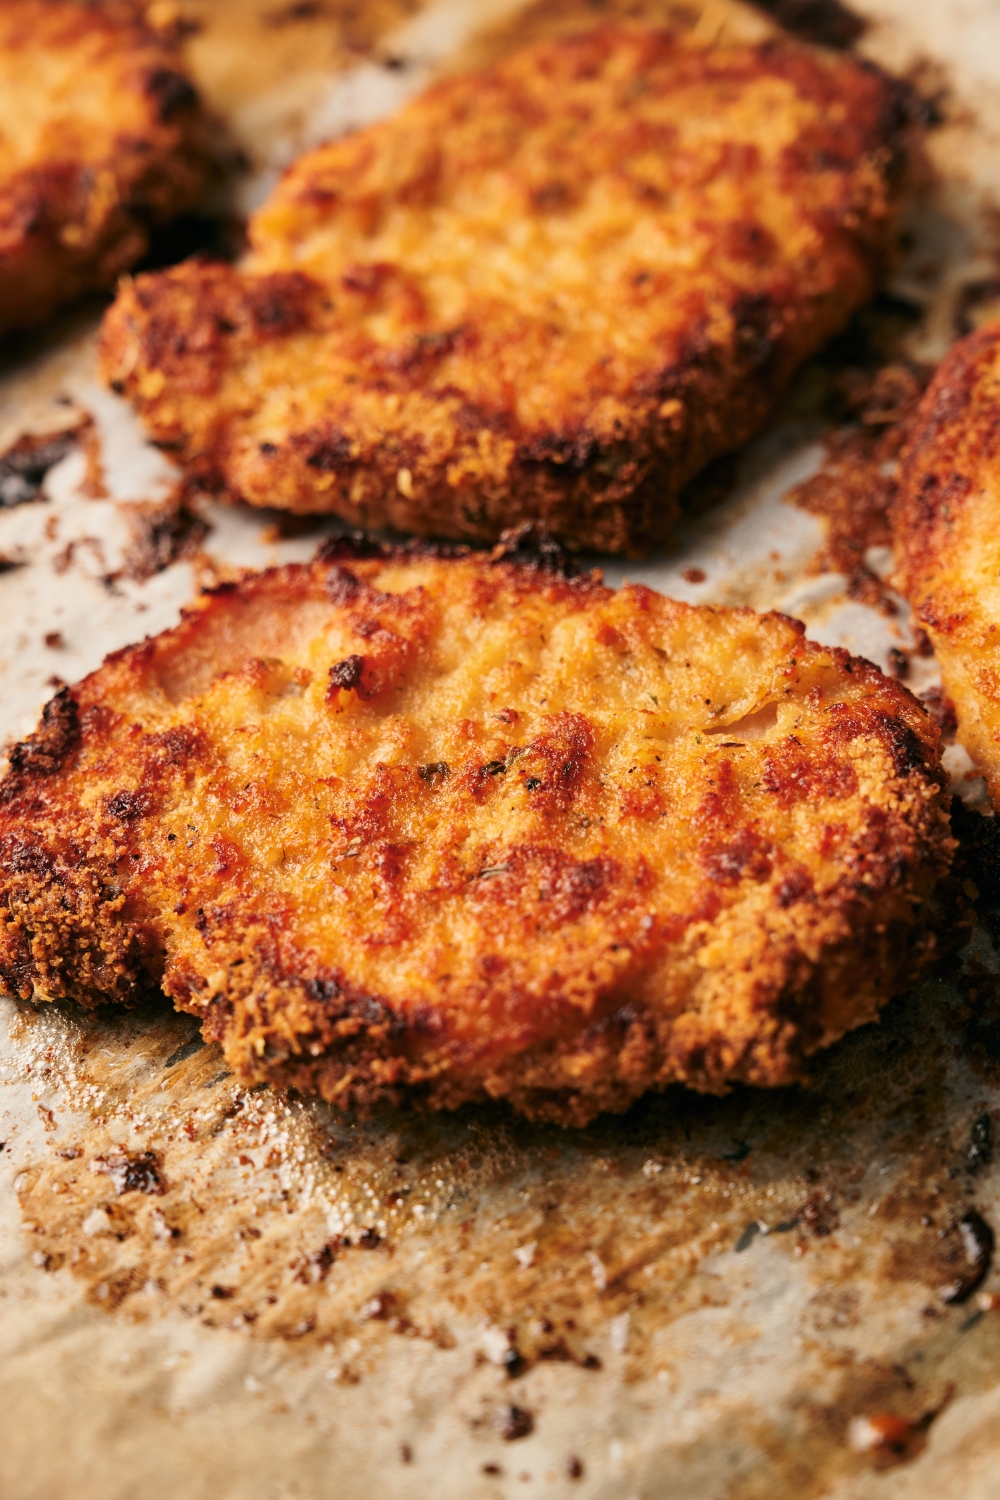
(342, 585)
(980, 1152)
(289, 525)
(514, 1362)
(856, 488)
(222, 586)
(941, 709)
(747, 1237)
(513, 1422)
(345, 675)
(574, 1467)
(127, 807)
(315, 1267)
(827, 22)
(54, 640)
(161, 534)
(132, 1174)
(978, 1243)
(173, 93)
(140, 1174)
(973, 297)
(819, 1214)
(351, 544)
(369, 1239)
(889, 1439)
(532, 545)
(693, 575)
(493, 1469)
(184, 1051)
(906, 750)
(9, 563)
(223, 1293)
(899, 664)
(405, 1453)
(24, 467)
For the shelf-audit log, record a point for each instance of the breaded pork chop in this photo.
(552, 290)
(947, 537)
(99, 141)
(460, 826)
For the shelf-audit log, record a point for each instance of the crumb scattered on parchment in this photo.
(172, 1187)
(161, 533)
(854, 491)
(26, 463)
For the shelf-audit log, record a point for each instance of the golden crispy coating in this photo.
(947, 537)
(552, 290)
(463, 826)
(99, 140)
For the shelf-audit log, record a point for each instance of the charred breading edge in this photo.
(550, 291)
(107, 143)
(946, 527)
(410, 827)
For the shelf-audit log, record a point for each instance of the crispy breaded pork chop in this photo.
(453, 827)
(100, 140)
(947, 537)
(551, 291)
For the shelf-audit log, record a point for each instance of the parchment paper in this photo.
(702, 1299)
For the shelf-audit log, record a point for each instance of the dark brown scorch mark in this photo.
(978, 1244)
(24, 467)
(345, 675)
(827, 22)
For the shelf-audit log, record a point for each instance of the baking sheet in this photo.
(704, 1298)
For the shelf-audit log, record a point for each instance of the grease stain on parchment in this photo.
(172, 1188)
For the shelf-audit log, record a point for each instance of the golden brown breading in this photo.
(551, 290)
(458, 826)
(947, 537)
(99, 141)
